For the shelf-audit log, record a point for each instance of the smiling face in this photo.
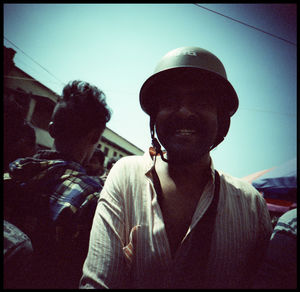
(186, 121)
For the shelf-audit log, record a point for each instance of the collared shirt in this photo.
(129, 245)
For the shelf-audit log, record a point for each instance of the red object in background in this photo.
(277, 185)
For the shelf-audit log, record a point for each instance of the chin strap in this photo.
(155, 142)
(157, 146)
(216, 143)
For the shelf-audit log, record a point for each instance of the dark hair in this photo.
(81, 109)
(100, 155)
(110, 163)
(19, 138)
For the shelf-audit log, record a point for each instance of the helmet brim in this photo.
(226, 94)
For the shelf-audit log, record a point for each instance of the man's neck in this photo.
(194, 170)
(74, 155)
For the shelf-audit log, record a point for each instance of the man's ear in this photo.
(51, 130)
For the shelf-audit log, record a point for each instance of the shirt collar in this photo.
(150, 158)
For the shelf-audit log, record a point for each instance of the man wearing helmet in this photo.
(168, 219)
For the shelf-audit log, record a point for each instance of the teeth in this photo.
(185, 131)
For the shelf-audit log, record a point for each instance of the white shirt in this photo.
(128, 241)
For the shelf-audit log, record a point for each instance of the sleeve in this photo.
(72, 231)
(105, 265)
(72, 222)
(263, 234)
(265, 224)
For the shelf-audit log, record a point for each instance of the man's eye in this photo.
(167, 101)
(203, 103)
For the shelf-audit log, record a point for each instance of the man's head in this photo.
(190, 102)
(79, 118)
(110, 163)
(95, 165)
(19, 135)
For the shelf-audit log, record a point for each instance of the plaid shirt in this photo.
(53, 200)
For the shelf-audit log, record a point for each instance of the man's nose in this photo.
(185, 109)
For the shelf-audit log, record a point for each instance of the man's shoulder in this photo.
(238, 185)
(129, 169)
(74, 183)
(287, 223)
(13, 236)
(134, 162)
(134, 158)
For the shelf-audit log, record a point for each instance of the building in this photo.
(113, 145)
(38, 102)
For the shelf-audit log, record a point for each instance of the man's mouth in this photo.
(185, 132)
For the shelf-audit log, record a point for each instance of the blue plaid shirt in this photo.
(56, 208)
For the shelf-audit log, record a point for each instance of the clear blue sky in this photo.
(116, 47)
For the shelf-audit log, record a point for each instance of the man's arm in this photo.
(105, 265)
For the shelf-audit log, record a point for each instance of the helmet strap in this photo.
(219, 140)
(157, 146)
(155, 142)
(223, 123)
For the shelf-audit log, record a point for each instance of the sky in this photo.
(117, 46)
